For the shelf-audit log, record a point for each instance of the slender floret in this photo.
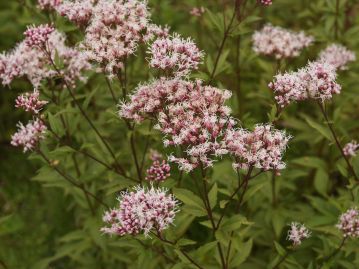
(297, 233)
(338, 56)
(351, 148)
(37, 36)
(141, 210)
(262, 148)
(30, 135)
(279, 42)
(349, 223)
(175, 54)
(30, 102)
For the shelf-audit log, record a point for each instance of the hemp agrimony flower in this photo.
(337, 55)
(349, 223)
(351, 148)
(297, 233)
(30, 102)
(158, 171)
(37, 36)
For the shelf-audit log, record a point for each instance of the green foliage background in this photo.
(46, 223)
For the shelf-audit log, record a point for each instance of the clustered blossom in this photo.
(190, 115)
(79, 11)
(263, 148)
(349, 223)
(159, 171)
(197, 11)
(266, 2)
(30, 135)
(114, 31)
(49, 4)
(141, 210)
(338, 56)
(351, 148)
(35, 64)
(30, 102)
(38, 35)
(155, 31)
(176, 54)
(317, 81)
(279, 42)
(297, 233)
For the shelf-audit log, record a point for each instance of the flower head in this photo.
(297, 233)
(262, 148)
(349, 223)
(159, 171)
(197, 11)
(337, 55)
(279, 42)
(141, 210)
(37, 36)
(30, 102)
(78, 11)
(48, 4)
(175, 54)
(30, 135)
(351, 148)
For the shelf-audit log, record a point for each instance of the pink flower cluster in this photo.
(297, 233)
(266, 2)
(30, 135)
(349, 223)
(351, 148)
(190, 115)
(37, 36)
(34, 63)
(175, 54)
(159, 171)
(338, 56)
(114, 31)
(78, 11)
(49, 4)
(279, 42)
(141, 210)
(30, 102)
(263, 148)
(317, 81)
(155, 31)
(197, 11)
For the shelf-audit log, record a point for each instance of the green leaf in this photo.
(212, 196)
(321, 129)
(281, 251)
(193, 204)
(321, 181)
(185, 242)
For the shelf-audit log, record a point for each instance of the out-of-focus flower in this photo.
(265, 2)
(78, 11)
(154, 31)
(349, 223)
(197, 11)
(279, 42)
(263, 148)
(159, 171)
(141, 210)
(297, 233)
(337, 55)
(114, 31)
(175, 54)
(30, 135)
(155, 155)
(37, 36)
(48, 4)
(30, 102)
(351, 148)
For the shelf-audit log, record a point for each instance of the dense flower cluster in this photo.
(317, 80)
(155, 31)
(266, 2)
(279, 42)
(175, 54)
(30, 102)
(159, 171)
(197, 11)
(189, 114)
(297, 233)
(38, 35)
(141, 210)
(337, 55)
(351, 148)
(263, 148)
(79, 11)
(29, 136)
(114, 31)
(35, 64)
(349, 223)
(49, 4)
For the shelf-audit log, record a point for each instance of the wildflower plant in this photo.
(167, 143)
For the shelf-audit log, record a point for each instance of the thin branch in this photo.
(335, 252)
